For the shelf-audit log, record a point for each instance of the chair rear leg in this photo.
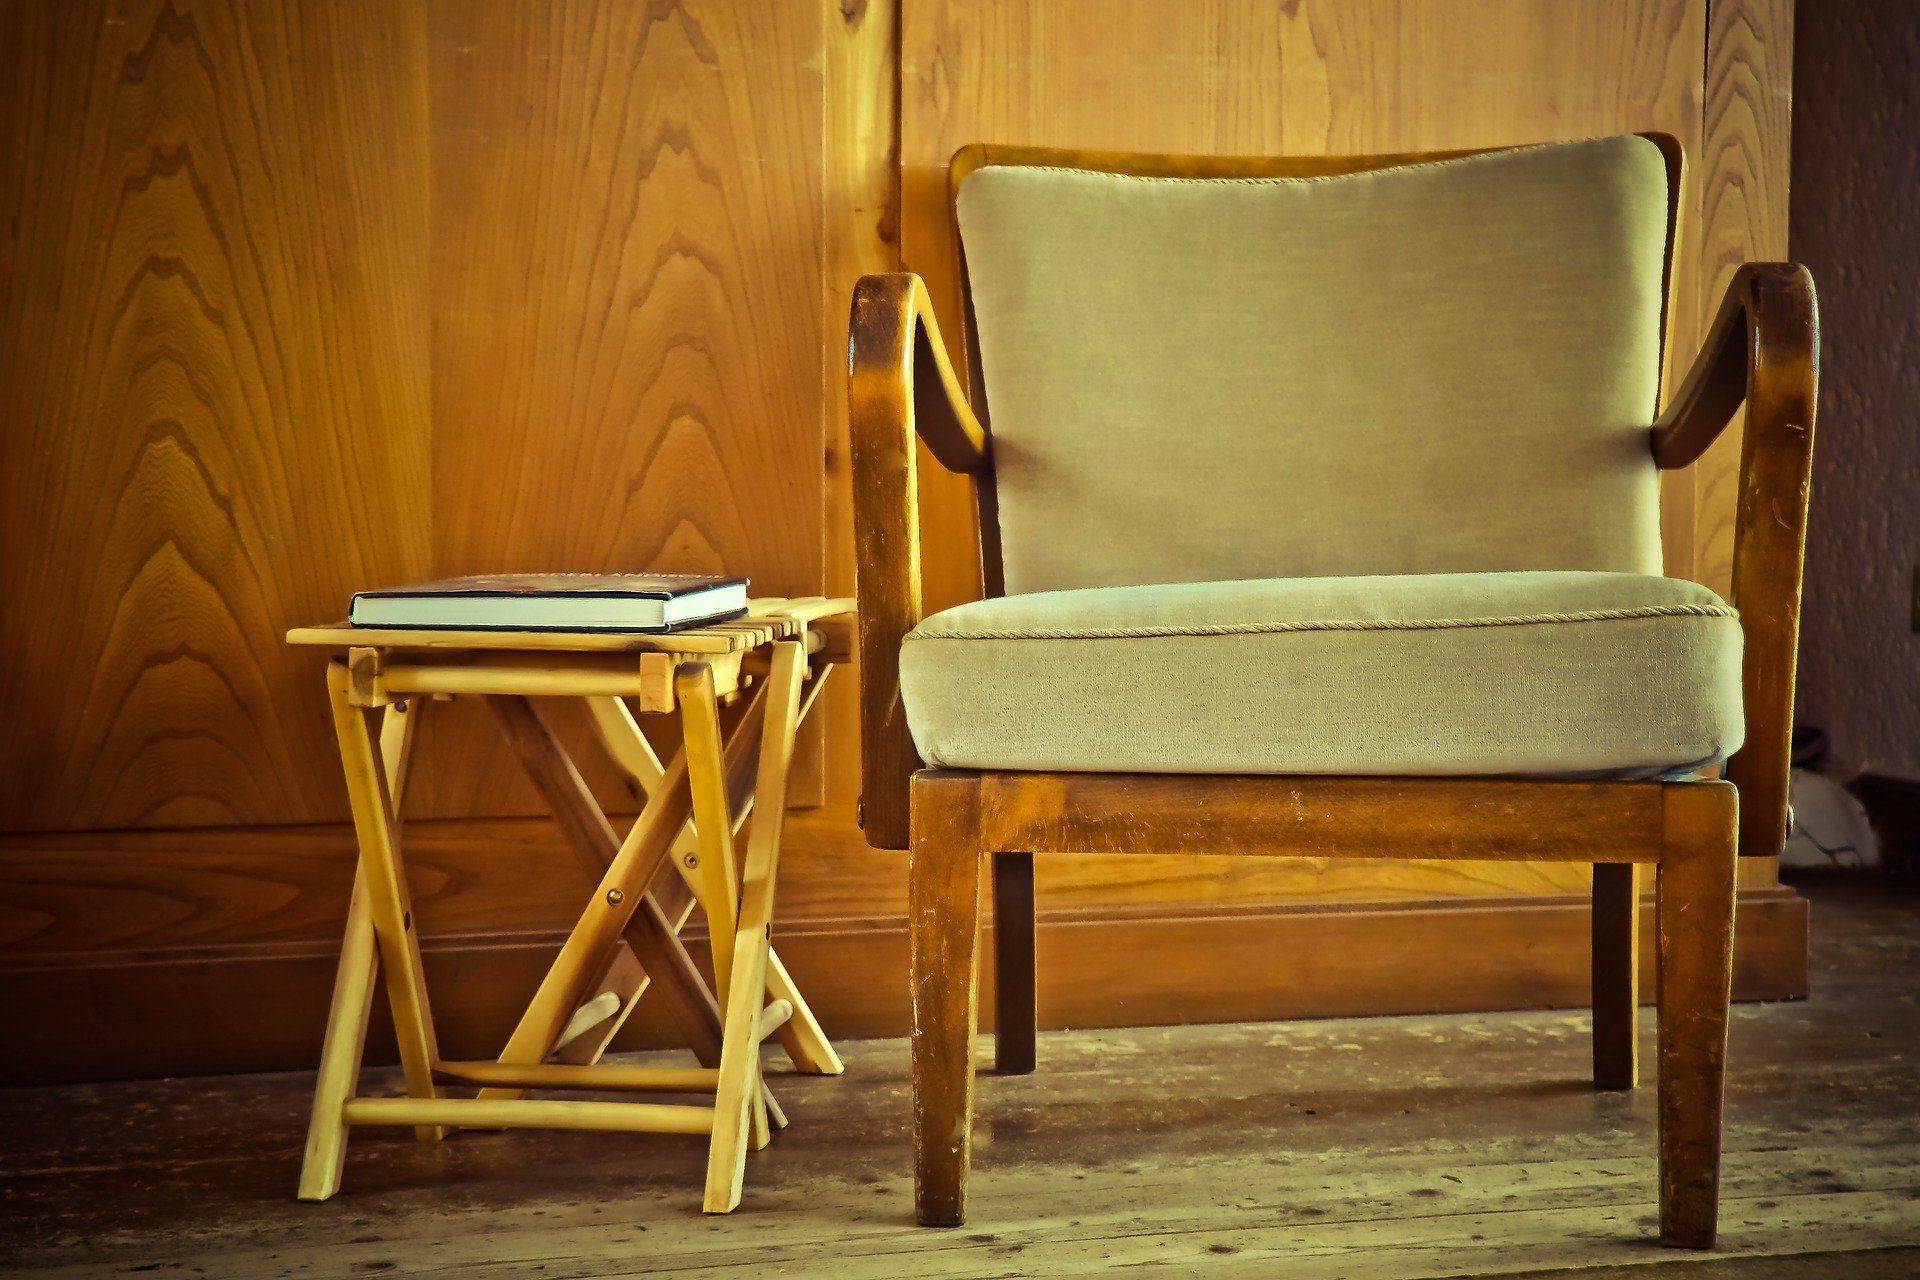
(1015, 1014)
(1694, 896)
(943, 899)
(1616, 975)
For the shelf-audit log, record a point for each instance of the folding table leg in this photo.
(739, 1089)
(341, 1053)
(650, 937)
(345, 1044)
(716, 878)
(806, 1044)
(678, 894)
(386, 893)
(719, 885)
(619, 895)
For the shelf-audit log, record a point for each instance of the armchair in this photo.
(1321, 519)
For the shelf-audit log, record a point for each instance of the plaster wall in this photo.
(1855, 223)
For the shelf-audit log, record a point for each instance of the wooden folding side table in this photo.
(772, 662)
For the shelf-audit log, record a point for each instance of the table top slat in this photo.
(766, 620)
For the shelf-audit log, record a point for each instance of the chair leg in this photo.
(1616, 975)
(1694, 897)
(943, 899)
(1015, 1016)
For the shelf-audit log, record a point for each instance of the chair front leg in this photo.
(1694, 899)
(943, 901)
(1015, 1012)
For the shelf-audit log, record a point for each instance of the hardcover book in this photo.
(554, 602)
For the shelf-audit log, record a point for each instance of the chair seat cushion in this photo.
(1514, 674)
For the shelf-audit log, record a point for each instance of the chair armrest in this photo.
(1762, 351)
(900, 386)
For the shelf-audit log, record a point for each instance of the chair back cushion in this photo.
(1443, 367)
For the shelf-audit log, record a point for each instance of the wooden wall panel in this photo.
(213, 384)
(1313, 77)
(237, 887)
(1746, 165)
(1249, 77)
(1281, 962)
(861, 195)
(303, 298)
(251, 376)
(300, 297)
(201, 921)
(626, 279)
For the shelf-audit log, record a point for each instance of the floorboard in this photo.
(1366, 1148)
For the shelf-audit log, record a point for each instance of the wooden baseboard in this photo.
(259, 1006)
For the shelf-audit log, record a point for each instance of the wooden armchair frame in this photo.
(1761, 352)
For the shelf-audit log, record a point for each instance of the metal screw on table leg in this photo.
(614, 897)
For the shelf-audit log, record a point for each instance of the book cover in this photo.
(554, 601)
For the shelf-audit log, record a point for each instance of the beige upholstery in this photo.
(1509, 673)
(1446, 367)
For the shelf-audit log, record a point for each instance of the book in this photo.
(554, 602)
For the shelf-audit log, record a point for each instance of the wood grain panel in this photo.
(1243, 77)
(627, 269)
(1746, 168)
(213, 378)
(252, 378)
(1246, 77)
(860, 189)
(297, 298)
(1746, 164)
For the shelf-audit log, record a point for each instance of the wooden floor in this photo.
(1404, 1147)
